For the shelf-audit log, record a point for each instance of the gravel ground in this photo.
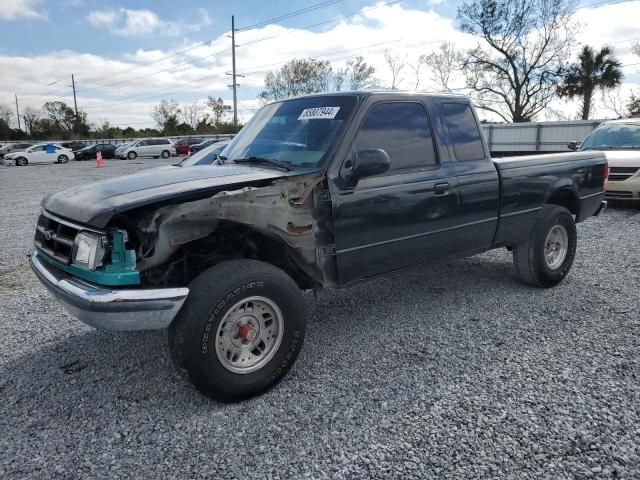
(454, 372)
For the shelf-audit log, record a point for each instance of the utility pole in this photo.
(75, 103)
(234, 85)
(17, 112)
(233, 63)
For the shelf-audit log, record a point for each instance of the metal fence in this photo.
(523, 138)
(116, 141)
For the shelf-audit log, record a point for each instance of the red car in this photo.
(184, 145)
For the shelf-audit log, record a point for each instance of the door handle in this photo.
(441, 188)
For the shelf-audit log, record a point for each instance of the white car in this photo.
(148, 147)
(619, 140)
(42, 153)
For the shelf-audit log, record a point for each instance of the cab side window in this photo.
(402, 130)
(464, 132)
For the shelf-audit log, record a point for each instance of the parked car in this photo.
(620, 142)
(121, 147)
(183, 145)
(90, 151)
(74, 146)
(43, 153)
(148, 147)
(314, 192)
(205, 143)
(205, 156)
(14, 147)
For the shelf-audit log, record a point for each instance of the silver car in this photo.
(148, 147)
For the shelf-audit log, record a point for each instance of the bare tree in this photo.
(444, 63)
(614, 102)
(523, 46)
(417, 67)
(6, 114)
(191, 113)
(166, 112)
(396, 64)
(30, 116)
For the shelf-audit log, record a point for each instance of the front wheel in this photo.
(545, 259)
(240, 330)
(132, 155)
(63, 159)
(21, 162)
(166, 154)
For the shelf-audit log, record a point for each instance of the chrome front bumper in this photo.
(108, 309)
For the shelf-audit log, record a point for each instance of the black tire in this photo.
(166, 154)
(529, 257)
(63, 159)
(21, 162)
(194, 332)
(132, 155)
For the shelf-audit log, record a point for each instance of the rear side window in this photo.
(402, 130)
(464, 132)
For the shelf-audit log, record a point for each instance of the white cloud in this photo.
(14, 9)
(135, 23)
(102, 18)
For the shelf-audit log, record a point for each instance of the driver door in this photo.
(401, 217)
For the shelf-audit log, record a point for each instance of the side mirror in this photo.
(573, 146)
(370, 162)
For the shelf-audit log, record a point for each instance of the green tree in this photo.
(218, 109)
(633, 106)
(165, 114)
(297, 77)
(356, 75)
(62, 117)
(594, 71)
(522, 48)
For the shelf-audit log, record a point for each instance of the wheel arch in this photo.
(566, 197)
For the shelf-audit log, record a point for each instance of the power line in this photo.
(309, 27)
(295, 13)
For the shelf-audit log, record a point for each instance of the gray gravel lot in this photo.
(453, 372)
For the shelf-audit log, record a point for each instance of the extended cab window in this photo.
(402, 130)
(464, 132)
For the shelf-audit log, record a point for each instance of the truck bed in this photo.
(527, 182)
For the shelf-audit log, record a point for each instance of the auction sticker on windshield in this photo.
(319, 112)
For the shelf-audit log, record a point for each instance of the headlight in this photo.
(89, 250)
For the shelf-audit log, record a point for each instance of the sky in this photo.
(128, 55)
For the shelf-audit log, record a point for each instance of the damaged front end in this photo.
(286, 222)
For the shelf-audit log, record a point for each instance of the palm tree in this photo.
(594, 70)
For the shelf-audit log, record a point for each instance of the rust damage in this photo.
(288, 210)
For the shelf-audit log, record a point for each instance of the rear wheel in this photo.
(21, 162)
(63, 159)
(545, 259)
(240, 330)
(132, 155)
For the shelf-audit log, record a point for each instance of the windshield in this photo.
(299, 132)
(206, 156)
(612, 136)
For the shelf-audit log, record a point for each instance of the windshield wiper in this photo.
(268, 161)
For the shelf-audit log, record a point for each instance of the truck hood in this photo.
(623, 158)
(94, 204)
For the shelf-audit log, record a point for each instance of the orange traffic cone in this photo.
(99, 160)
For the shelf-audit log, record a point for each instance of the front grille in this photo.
(617, 194)
(619, 174)
(55, 239)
